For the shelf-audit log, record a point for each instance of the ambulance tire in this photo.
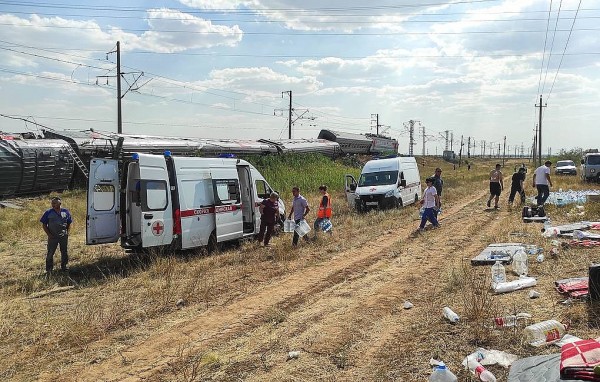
(398, 203)
(212, 246)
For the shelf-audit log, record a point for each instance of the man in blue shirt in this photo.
(56, 222)
(300, 209)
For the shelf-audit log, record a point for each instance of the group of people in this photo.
(269, 210)
(57, 221)
(541, 182)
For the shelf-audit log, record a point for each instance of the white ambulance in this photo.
(384, 183)
(180, 202)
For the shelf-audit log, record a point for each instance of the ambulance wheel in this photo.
(416, 198)
(398, 203)
(212, 245)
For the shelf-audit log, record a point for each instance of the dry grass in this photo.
(120, 299)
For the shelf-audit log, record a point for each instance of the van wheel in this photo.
(399, 203)
(212, 245)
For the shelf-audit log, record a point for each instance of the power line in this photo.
(562, 56)
(552, 45)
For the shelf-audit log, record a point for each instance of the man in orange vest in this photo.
(324, 213)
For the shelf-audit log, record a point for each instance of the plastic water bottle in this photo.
(520, 263)
(479, 371)
(510, 320)
(450, 315)
(547, 225)
(545, 332)
(498, 273)
(442, 374)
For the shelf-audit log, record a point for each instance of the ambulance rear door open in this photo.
(155, 196)
(103, 220)
(228, 204)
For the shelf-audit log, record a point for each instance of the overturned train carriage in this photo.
(34, 165)
(360, 144)
(47, 164)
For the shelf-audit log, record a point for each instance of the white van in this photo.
(384, 183)
(183, 203)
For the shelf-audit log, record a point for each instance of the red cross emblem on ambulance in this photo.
(157, 228)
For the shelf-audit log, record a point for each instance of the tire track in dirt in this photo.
(217, 325)
(371, 318)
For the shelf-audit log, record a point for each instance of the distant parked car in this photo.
(565, 167)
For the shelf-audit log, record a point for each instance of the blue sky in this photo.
(217, 68)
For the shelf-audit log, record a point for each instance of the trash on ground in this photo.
(540, 258)
(293, 354)
(441, 373)
(544, 333)
(583, 235)
(534, 294)
(583, 243)
(510, 286)
(407, 305)
(450, 315)
(567, 339)
(511, 320)
(574, 287)
(579, 359)
(502, 252)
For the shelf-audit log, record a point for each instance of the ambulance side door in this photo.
(229, 217)
(350, 186)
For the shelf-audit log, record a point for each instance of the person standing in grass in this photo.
(324, 211)
(431, 202)
(56, 223)
(299, 209)
(269, 215)
(496, 185)
(517, 185)
(542, 182)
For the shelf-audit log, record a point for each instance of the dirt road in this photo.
(343, 315)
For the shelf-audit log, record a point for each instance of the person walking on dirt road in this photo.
(496, 185)
(269, 215)
(542, 182)
(56, 223)
(299, 209)
(438, 183)
(431, 202)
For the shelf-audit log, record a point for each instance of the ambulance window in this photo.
(227, 191)
(262, 189)
(155, 195)
(104, 197)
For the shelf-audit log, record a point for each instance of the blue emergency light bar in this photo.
(226, 155)
(135, 156)
(167, 153)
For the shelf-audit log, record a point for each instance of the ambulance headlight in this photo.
(389, 194)
(167, 153)
(135, 156)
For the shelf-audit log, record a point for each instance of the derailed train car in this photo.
(34, 165)
(361, 144)
(48, 164)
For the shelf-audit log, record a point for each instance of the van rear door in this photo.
(102, 221)
(228, 204)
(155, 195)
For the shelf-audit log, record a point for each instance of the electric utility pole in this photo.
(540, 132)
(504, 152)
(423, 130)
(289, 93)
(375, 118)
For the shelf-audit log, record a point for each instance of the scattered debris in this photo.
(408, 305)
(294, 354)
(534, 294)
(180, 303)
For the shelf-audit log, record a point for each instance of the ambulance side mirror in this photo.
(403, 182)
(352, 187)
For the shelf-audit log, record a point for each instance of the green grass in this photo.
(307, 171)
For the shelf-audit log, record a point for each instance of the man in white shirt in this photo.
(541, 181)
(431, 202)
